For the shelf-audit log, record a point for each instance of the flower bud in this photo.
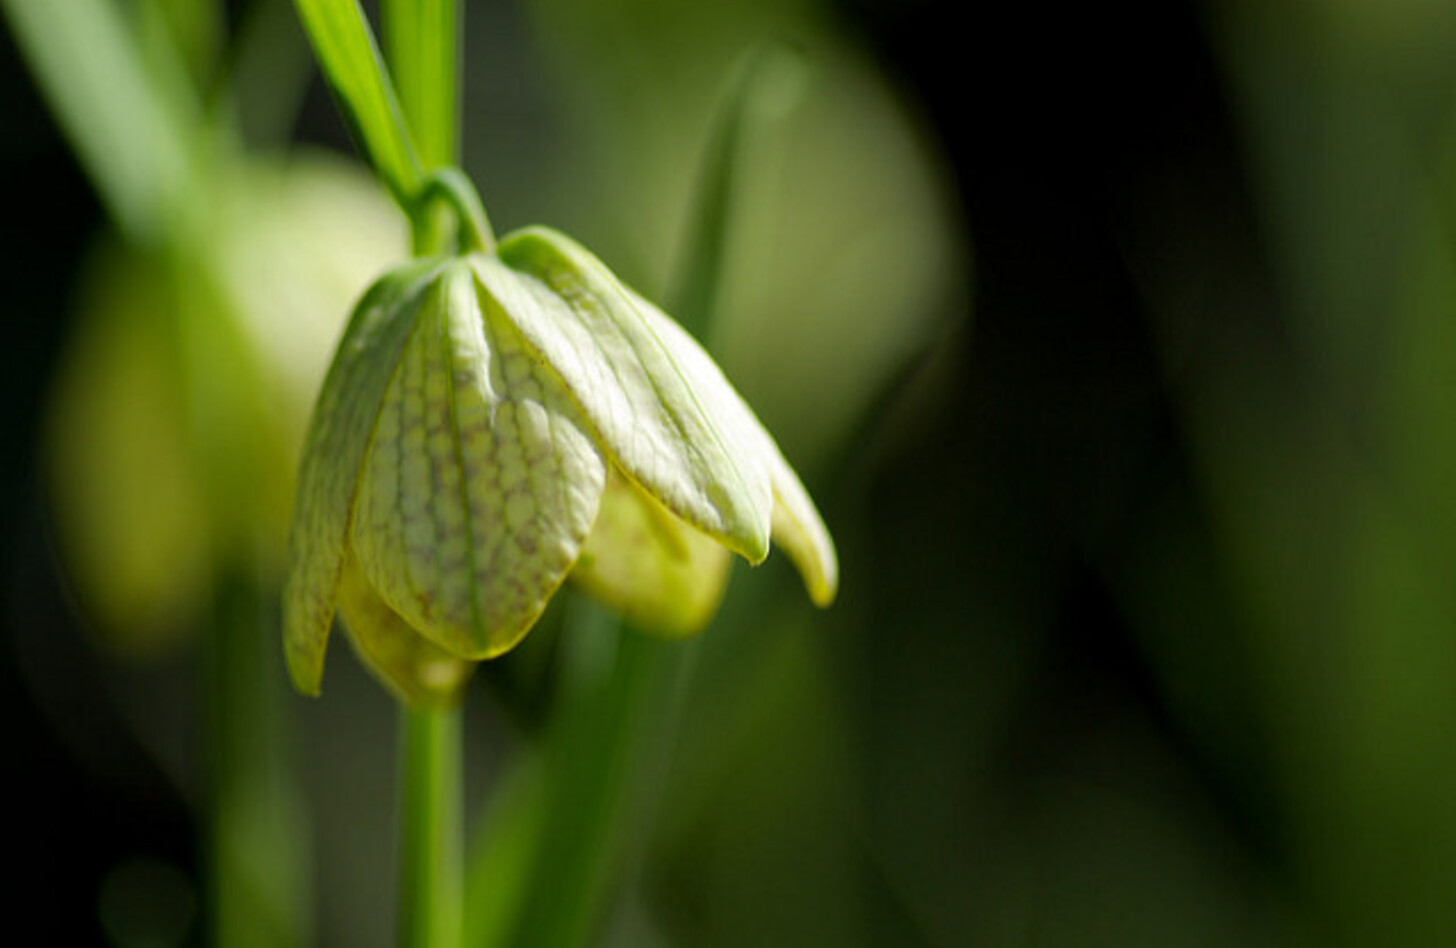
(497, 423)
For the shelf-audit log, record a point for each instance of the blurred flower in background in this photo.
(181, 400)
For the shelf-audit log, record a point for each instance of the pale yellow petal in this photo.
(798, 528)
(418, 671)
(661, 574)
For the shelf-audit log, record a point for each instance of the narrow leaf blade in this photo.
(345, 47)
(422, 38)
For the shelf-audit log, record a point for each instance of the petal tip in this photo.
(305, 637)
(824, 590)
(306, 672)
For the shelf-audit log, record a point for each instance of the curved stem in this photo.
(430, 826)
(451, 186)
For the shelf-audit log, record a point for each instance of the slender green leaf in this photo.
(547, 857)
(422, 38)
(764, 81)
(132, 138)
(345, 47)
(599, 760)
(502, 852)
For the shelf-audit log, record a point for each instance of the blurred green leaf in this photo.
(345, 48)
(134, 138)
(762, 85)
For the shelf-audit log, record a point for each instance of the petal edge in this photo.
(657, 416)
(338, 435)
(797, 525)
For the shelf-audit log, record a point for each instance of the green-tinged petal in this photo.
(420, 672)
(338, 439)
(650, 565)
(481, 483)
(797, 526)
(799, 529)
(657, 416)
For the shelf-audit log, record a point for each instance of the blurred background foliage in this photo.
(1118, 344)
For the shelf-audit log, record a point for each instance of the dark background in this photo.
(1146, 632)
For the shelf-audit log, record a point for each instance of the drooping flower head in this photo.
(497, 423)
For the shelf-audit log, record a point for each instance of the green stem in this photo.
(450, 186)
(430, 827)
(257, 889)
(591, 761)
(422, 37)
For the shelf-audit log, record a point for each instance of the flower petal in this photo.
(645, 562)
(414, 668)
(799, 529)
(338, 438)
(480, 485)
(657, 416)
(797, 526)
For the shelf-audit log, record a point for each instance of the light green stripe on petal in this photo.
(480, 485)
(657, 416)
(797, 526)
(338, 438)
